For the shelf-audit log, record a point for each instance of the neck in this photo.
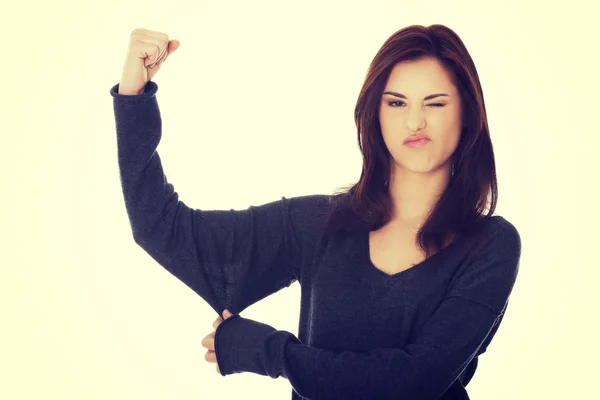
(415, 194)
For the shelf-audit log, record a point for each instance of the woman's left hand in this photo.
(209, 340)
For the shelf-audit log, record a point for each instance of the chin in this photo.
(423, 170)
(417, 170)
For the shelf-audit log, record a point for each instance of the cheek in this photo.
(453, 137)
(391, 137)
(447, 129)
(392, 129)
(447, 142)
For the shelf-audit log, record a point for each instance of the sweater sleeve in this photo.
(231, 259)
(425, 369)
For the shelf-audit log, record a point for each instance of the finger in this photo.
(159, 59)
(162, 56)
(209, 342)
(217, 322)
(210, 356)
(147, 32)
(149, 49)
(146, 51)
(147, 37)
(166, 52)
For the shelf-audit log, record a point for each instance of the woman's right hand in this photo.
(146, 53)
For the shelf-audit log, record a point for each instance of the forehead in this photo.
(419, 76)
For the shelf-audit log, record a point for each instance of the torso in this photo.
(393, 248)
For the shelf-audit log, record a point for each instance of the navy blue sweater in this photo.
(363, 334)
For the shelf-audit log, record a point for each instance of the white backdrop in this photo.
(87, 314)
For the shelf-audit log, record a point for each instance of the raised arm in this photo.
(231, 258)
(459, 330)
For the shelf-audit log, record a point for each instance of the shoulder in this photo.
(491, 264)
(310, 199)
(503, 236)
(307, 210)
(497, 246)
(310, 203)
(496, 242)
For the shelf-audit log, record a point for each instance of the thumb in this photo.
(173, 45)
(227, 314)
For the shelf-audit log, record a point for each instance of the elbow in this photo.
(138, 239)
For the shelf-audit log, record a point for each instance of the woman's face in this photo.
(410, 107)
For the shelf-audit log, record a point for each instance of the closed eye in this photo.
(432, 104)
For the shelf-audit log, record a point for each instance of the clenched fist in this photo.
(146, 53)
(209, 340)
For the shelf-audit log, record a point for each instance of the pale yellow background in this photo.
(258, 103)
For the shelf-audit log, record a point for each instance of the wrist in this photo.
(123, 90)
(245, 345)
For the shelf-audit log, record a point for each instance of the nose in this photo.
(416, 120)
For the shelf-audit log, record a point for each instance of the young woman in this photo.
(405, 275)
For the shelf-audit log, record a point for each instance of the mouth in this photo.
(416, 141)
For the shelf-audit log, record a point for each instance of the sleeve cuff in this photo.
(149, 92)
(245, 345)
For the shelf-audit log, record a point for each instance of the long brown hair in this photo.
(367, 205)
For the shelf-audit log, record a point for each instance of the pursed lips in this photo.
(416, 138)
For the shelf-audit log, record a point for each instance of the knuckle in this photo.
(138, 32)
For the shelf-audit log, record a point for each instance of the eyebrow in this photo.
(431, 96)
